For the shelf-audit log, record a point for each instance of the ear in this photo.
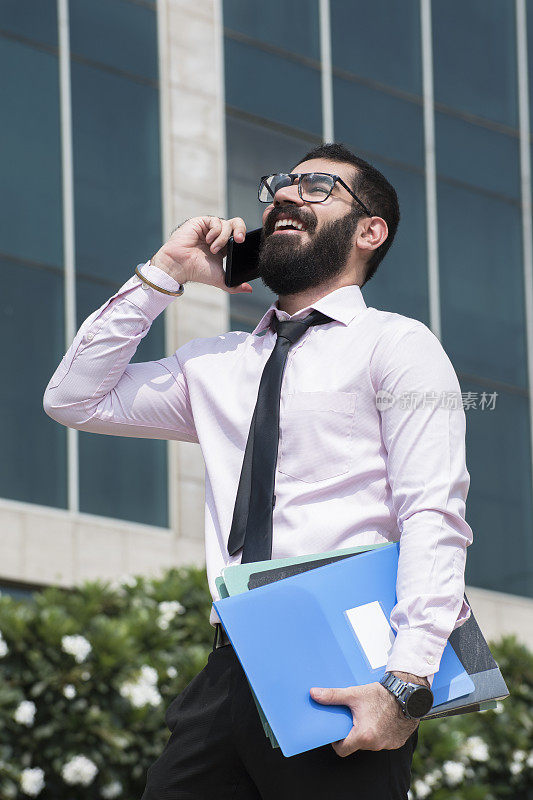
(372, 233)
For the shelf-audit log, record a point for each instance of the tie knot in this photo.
(294, 329)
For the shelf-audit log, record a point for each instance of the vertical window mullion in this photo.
(166, 218)
(68, 228)
(430, 168)
(525, 180)
(326, 75)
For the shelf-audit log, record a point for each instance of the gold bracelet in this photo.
(157, 288)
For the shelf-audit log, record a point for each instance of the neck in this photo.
(292, 303)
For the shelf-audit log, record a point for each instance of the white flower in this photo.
(25, 713)
(79, 770)
(32, 781)
(172, 672)
(85, 675)
(149, 674)
(69, 691)
(518, 762)
(140, 695)
(144, 690)
(453, 771)
(117, 584)
(476, 749)
(111, 790)
(77, 646)
(167, 611)
(433, 778)
(4, 649)
(529, 760)
(422, 789)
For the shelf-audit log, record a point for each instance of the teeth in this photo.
(284, 223)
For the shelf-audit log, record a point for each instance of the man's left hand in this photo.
(378, 721)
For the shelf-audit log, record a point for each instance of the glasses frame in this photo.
(293, 175)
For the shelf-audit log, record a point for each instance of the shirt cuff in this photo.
(148, 300)
(417, 652)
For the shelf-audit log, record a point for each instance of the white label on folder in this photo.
(374, 632)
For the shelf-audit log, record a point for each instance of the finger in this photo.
(336, 697)
(244, 288)
(223, 236)
(347, 746)
(239, 229)
(215, 227)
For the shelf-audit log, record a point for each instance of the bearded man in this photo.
(371, 449)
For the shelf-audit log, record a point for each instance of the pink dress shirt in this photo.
(371, 447)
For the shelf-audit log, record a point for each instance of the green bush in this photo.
(85, 678)
(87, 674)
(487, 755)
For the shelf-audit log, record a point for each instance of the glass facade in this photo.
(273, 66)
(118, 222)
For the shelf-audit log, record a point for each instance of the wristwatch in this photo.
(415, 700)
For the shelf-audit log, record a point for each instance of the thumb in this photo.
(335, 697)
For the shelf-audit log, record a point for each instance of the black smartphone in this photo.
(241, 258)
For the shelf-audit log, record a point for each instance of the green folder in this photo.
(236, 577)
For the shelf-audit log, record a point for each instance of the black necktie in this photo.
(252, 516)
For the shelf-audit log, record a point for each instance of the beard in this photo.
(288, 266)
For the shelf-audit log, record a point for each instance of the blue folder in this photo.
(295, 633)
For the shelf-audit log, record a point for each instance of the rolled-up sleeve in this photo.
(423, 428)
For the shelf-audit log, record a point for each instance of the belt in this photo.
(221, 637)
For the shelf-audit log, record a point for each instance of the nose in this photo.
(287, 194)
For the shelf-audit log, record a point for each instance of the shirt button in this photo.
(430, 660)
(145, 287)
(89, 337)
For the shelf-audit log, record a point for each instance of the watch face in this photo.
(420, 702)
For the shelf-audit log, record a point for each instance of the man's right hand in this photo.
(196, 249)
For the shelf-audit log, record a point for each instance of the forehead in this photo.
(345, 171)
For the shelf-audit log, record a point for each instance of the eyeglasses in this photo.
(313, 187)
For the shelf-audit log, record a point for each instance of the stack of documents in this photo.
(323, 620)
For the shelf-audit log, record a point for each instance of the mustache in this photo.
(305, 217)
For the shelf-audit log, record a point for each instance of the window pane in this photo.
(253, 151)
(499, 500)
(273, 87)
(121, 477)
(291, 25)
(117, 190)
(32, 19)
(476, 155)
(30, 201)
(378, 123)
(400, 283)
(96, 26)
(474, 52)
(379, 41)
(33, 466)
(481, 284)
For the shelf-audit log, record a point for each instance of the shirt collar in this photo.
(342, 305)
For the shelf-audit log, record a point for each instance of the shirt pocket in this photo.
(316, 435)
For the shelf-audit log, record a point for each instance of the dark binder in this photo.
(467, 641)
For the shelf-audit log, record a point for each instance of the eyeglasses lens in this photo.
(314, 188)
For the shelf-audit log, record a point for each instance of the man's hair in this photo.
(378, 195)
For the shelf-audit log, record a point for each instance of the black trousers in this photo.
(217, 750)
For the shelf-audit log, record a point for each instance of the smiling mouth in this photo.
(288, 225)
